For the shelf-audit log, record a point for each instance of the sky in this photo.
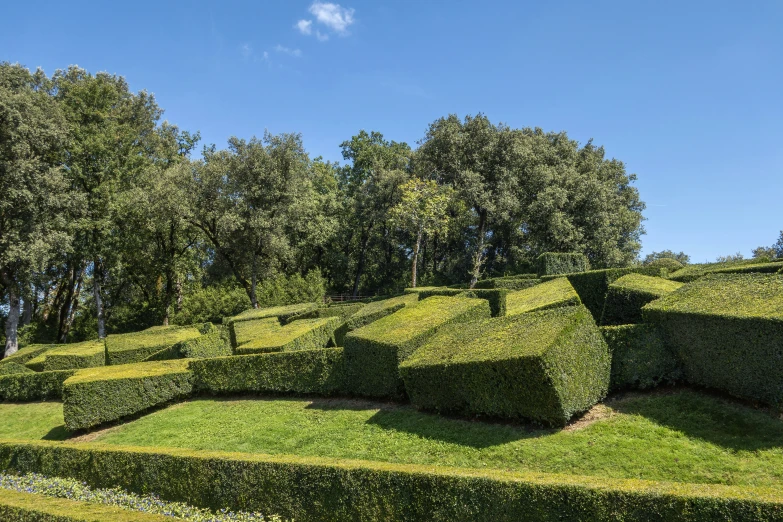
(687, 94)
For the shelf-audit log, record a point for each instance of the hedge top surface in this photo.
(86, 348)
(25, 354)
(757, 296)
(274, 311)
(552, 292)
(129, 371)
(151, 337)
(271, 335)
(647, 284)
(693, 272)
(378, 306)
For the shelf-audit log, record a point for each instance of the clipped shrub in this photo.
(98, 395)
(319, 372)
(495, 297)
(551, 263)
(212, 344)
(508, 284)
(727, 332)
(87, 354)
(135, 347)
(378, 309)
(640, 358)
(12, 368)
(374, 352)
(267, 335)
(35, 386)
(745, 266)
(545, 366)
(25, 354)
(282, 313)
(669, 263)
(552, 294)
(342, 311)
(626, 297)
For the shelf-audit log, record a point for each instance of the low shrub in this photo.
(282, 313)
(373, 352)
(95, 396)
(88, 354)
(552, 294)
(627, 296)
(746, 266)
(727, 332)
(378, 309)
(266, 335)
(552, 263)
(545, 366)
(320, 372)
(25, 354)
(12, 368)
(36, 386)
(495, 297)
(640, 359)
(135, 347)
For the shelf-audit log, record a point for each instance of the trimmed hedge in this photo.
(36, 386)
(16, 506)
(373, 352)
(552, 294)
(508, 284)
(88, 354)
(317, 489)
(212, 344)
(12, 368)
(267, 335)
(25, 354)
(319, 372)
(496, 296)
(545, 366)
(551, 263)
(378, 309)
(342, 311)
(95, 396)
(746, 266)
(627, 296)
(283, 313)
(727, 331)
(640, 359)
(135, 347)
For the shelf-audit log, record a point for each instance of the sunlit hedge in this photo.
(36, 386)
(88, 354)
(552, 294)
(627, 296)
(135, 347)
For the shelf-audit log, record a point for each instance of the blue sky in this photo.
(687, 94)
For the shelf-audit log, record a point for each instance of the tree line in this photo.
(110, 221)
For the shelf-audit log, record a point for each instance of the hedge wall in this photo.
(212, 344)
(25, 354)
(88, 354)
(373, 352)
(12, 368)
(746, 266)
(545, 366)
(627, 296)
(318, 489)
(135, 347)
(16, 506)
(517, 282)
(640, 359)
(496, 296)
(36, 386)
(92, 397)
(552, 294)
(320, 372)
(727, 332)
(378, 309)
(303, 334)
(283, 313)
(552, 263)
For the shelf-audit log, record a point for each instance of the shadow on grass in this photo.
(58, 433)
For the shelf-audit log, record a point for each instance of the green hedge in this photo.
(25, 354)
(135, 347)
(640, 359)
(746, 266)
(268, 336)
(282, 313)
(627, 296)
(12, 368)
(373, 352)
(88, 354)
(320, 372)
(378, 309)
(212, 344)
(36, 386)
(727, 332)
(552, 294)
(343, 311)
(496, 296)
(95, 396)
(545, 366)
(318, 489)
(669, 263)
(552, 263)
(16, 506)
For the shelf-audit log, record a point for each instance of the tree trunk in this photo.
(12, 323)
(478, 259)
(97, 278)
(416, 258)
(65, 309)
(27, 308)
(254, 282)
(179, 294)
(74, 307)
(365, 238)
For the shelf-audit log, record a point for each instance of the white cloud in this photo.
(321, 36)
(305, 26)
(246, 50)
(333, 16)
(285, 50)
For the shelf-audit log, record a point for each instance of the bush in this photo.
(319, 371)
(266, 335)
(135, 347)
(627, 296)
(552, 294)
(373, 352)
(95, 396)
(746, 266)
(343, 311)
(727, 332)
(13, 368)
(212, 344)
(669, 263)
(211, 304)
(545, 366)
(282, 313)
(25, 354)
(552, 263)
(87, 354)
(640, 359)
(495, 297)
(378, 309)
(316, 489)
(36, 386)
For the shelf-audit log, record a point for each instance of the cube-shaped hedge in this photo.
(627, 296)
(745, 266)
(88, 354)
(98, 395)
(551, 263)
(212, 344)
(135, 347)
(495, 296)
(374, 352)
(552, 294)
(640, 358)
(35, 386)
(378, 309)
(727, 332)
(545, 366)
(282, 313)
(12, 368)
(26, 353)
(267, 335)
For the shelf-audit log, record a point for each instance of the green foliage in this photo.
(319, 371)
(552, 263)
(96, 396)
(12, 368)
(36, 386)
(25, 354)
(214, 343)
(552, 294)
(379, 309)
(508, 283)
(545, 366)
(211, 304)
(743, 266)
(627, 296)
(495, 297)
(671, 265)
(680, 257)
(283, 313)
(88, 354)
(373, 352)
(137, 346)
(727, 331)
(640, 359)
(266, 335)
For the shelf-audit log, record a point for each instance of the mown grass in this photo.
(39, 420)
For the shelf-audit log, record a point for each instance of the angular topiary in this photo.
(517, 282)
(13, 368)
(727, 332)
(627, 296)
(373, 352)
(266, 335)
(25, 354)
(36, 386)
(378, 309)
(552, 263)
(282, 313)
(640, 359)
(545, 366)
(88, 354)
(746, 266)
(212, 344)
(552, 294)
(135, 347)
(496, 296)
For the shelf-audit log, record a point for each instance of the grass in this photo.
(38, 420)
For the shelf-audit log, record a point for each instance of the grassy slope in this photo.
(39, 420)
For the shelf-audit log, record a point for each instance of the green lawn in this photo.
(40, 420)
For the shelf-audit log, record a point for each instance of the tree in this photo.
(773, 252)
(682, 257)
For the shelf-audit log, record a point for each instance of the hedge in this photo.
(212, 344)
(343, 311)
(627, 296)
(496, 296)
(516, 282)
(12, 368)
(552, 294)
(320, 372)
(318, 489)
(544, 366)
(16, 506)
(552, 263)
(282, 313)
(135, 347)
(727, 331)
(25, 354)
(95, 396)
(746, 266)
(373, 352)
(267, 335)
(88, 354)
(36, 386)
(640, 359)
